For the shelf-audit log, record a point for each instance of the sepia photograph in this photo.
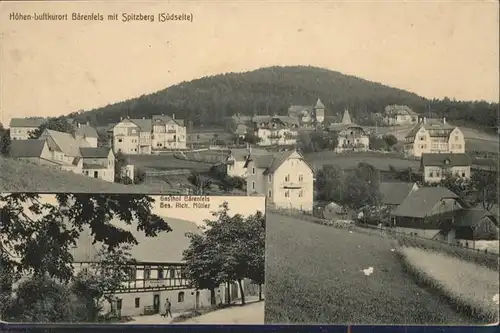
(365, 134)
(132, 259)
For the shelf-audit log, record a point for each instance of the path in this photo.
(314, 275)
(251, 313)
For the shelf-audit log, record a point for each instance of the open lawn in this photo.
(314, 276)
(19, 176)
(349, 161)
(465, 284)
(166, 162)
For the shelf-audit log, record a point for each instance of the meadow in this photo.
(468, 286)
(314, 275)
(166, 162)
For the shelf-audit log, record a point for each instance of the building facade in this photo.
(236, 161)
(168, 133)
(98, 163)
(434, 136)
(276, 130)
(308, 115)
(395, 115)
(285, 178)
(436, 167)
(351, 137)
(21, 128)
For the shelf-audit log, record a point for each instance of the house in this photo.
(33, 151)
(434, 136)
(285, 178)
(21, 128)
(426, 212)
(65, 149)
(275, 130)
(394, 193)
(128, 171)
(399, 115)
(157, 274)
(98, 163)
(168, 133)
(351, 137)
(308, 115)
(236, 160)
(241, 130)
(132, 136)
(333, 211)
(87, 133)
(435, 167)
(471, 225)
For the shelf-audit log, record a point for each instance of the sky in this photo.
(50, 68)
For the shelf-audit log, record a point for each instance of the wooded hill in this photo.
(272, 90)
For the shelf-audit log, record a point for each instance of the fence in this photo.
(483, 258)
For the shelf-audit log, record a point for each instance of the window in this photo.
(160, 273)
(422, 138)
(253, 185)
(431, 174)
(253, 171)
(120, 140)
(301, 193)
(180, 297)
(301, 178)
(437, 174)
(147, 273)
(287, 194)
(456, 137)
(270, 177)
(269, 193)
(463, 174)
(287, 178)
(132, 274)
(172, 273)
(137, 302)
(96, 174)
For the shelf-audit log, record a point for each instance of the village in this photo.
(283, 158)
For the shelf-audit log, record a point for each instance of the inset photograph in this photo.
(132, 259)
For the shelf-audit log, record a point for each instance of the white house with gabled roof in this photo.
(285, 178)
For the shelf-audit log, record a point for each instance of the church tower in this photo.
(319, 111)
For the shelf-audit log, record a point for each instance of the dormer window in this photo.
(446, 161)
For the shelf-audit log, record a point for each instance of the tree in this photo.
(363, 187)
(390, 140)
(484, 185)
(251, 138)
(377, 143)
(102, 139)
(59, 124)
(330, 184)
(99, 282)
(201, 186)
(4, 141)
(120, 163)
(231, 248)
(203, 264)
(41, 233)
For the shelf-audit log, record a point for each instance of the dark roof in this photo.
(26, 148)
(271, 162)
(86, 131)
(241, 154)
(420, 203)
(165, 247)
(26, 122)
(145, 125)
(446, 160)
(471, 216)
(95, 152)
(394, 193)
(166, 119)
(430, 125)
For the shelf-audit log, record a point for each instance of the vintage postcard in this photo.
(132, 259)
(366, 130)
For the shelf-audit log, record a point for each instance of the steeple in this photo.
(319, 105)
(346, 119)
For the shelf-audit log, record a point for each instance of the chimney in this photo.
(79, 125)
(444, 120)
(425, 120)
(121, 118)
(88, 123)
(173, 115)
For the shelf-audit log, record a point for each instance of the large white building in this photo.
(21, 128)
(285, 178)
(436, 167)
(399, 115)
(434, 136)
(275, 130)
(145, 136)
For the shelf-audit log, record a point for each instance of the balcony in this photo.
(274, 136)
(293, 184)
(171, 131)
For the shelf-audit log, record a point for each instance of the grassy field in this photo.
(314, 276)
(349, 161)
(166, 162)
(465, 284)
(17, 176)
